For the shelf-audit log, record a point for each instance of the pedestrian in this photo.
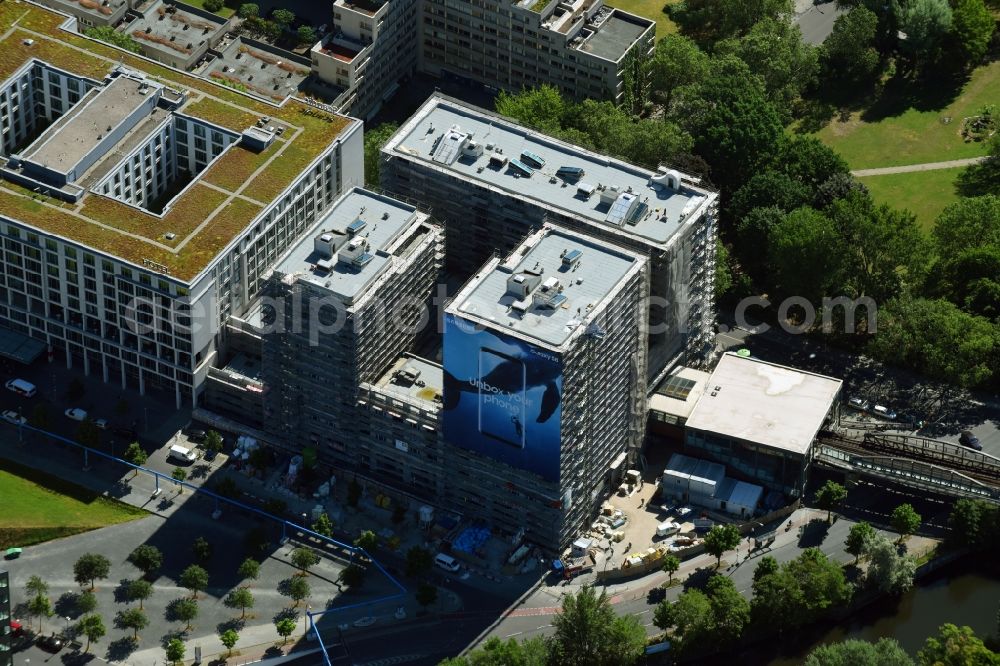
(629, 546)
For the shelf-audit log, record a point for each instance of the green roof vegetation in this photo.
(132, 233)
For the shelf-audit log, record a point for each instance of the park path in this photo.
(908, 168)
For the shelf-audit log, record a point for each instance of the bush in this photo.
(213, 5)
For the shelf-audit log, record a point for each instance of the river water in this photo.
(963, 593)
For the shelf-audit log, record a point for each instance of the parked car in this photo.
(859, 404)
(21, 387)
(50, 643)
(76, 414)
(102, 424)
(400, 613)
(884, 412)
(194, 434)
(365, 621)
(126, 433)
(11, 416)
(966, 438)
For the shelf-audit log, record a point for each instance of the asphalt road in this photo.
(815, 20)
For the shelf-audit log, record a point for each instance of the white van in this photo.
(668, 528)
(447, 562)
(181, 454)
(21, 387)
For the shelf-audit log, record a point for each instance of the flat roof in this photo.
(258, 71)
(423, 133)
(95, 8)
(79, 130)
(171, 29)
(228, 196)
(379, 219)
(415, 378)
(764, 403)
(695, 469)
(615, 35)
(20, 347)
(668, 395)
(582, 290)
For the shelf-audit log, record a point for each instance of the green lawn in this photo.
(914, 136)
(37, 507)
(651, 9)
(227, 10)
(923, 193)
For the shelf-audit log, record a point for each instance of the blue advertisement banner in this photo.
(502, 397)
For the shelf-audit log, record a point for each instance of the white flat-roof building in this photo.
(492, 181)
(762, 419)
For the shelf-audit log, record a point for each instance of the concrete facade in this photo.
(6, 653)
(460, 161)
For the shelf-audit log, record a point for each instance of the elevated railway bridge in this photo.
(917, 462)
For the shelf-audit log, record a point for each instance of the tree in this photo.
(352, 576)
(935, 336)
(306, 34)
(285, 627)
(852, 652)
(426, 594)
(768, 188)
(753, 235)
(374, 141)
(799, 592)
(671, 563)
(240, 598)
(90, 568)
(132, 618)
(179, 474)
(691, 619)
(174, 650)
(304, 558)
(229, 638)
(91, 626)
(323, 525)
(283, 17)
(541, 108)
(849, 55)
(212, 6)
(967, 224)
(966, 521)
(88, 434)
(35, 587)
(767, 566)
(730, 609)
(859, 539)
(956, 646)
(905, 520)
(587, 631)
(734, 123)
(249, 569)
(830, 496)
(146, 558)
(249, 10)
(774, 51)
(296, 588)
(185, 610)
(889, 571)
(721, 538)
(677, 61)
(497, 652)
(418, 561)
(884, 246)
(202, 549)
(195, 579)
(135, 454)
(111, 36)
(213, 441)
(139, 590)
(86, 602)
(712, 20)
(925, 24)
(807, 254)
(367, 541)
(970, 280)
(40, 606)
(777, 601)
(809, 161)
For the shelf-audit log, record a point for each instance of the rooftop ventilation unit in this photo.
(327, 243)
(356, 226)
(570, 173)
(532, 159)
(450, 146)
(520, 285)
(498, 160)
(667, 178)
(355, 253)
(585, 190)
(472, 149)
(521, 168)
(571, 258)
(622, 209)
(549, 295)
